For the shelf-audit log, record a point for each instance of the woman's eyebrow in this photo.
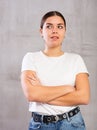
(60, 23)
(49, 23)
(57, 24)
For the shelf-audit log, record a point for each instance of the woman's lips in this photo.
(54, 37)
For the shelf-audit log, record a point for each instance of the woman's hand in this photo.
(33, 78)
(69, 88)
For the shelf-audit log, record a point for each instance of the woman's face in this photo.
(53, 31)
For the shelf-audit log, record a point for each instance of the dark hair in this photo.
(49, 14)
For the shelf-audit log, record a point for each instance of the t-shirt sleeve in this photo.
(28, 62)
(80, 66)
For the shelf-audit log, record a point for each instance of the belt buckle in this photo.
(56, 118)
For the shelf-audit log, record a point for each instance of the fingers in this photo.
(32, 76)
(35, 82)
(34, 79)
(69, 88)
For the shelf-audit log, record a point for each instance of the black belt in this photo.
(54, 118)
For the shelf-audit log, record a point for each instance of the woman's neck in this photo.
(53, 52)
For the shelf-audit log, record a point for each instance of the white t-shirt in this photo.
(53, 71)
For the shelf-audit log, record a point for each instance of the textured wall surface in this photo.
(19, 33)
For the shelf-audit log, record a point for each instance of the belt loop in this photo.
(67, 116)
(42, 118)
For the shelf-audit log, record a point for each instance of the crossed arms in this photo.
(64, 95)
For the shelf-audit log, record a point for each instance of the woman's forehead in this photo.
(54, 20)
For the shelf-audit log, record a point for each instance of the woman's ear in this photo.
(41, 32)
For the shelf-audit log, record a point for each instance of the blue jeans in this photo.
(74, 123)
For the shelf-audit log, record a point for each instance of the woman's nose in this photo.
(54, 30)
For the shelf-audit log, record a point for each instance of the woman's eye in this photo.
(49, 26)
(60, 27)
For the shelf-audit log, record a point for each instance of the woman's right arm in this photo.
(35, 91)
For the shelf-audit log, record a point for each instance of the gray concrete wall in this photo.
(19, 33)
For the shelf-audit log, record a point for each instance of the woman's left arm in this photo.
(80, 96)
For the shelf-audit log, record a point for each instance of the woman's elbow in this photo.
(28, 92)
(30, 97)
(86, 100)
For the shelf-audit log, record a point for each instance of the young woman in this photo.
(55, 82)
